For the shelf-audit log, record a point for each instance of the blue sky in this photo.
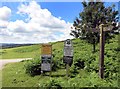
(68, 11)
(24, 24)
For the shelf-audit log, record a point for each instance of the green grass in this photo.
(14, 73)
(14, 76)
(26, 51)
(17, 76)
(20, 52)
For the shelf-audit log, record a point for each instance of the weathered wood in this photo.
(103, 28)
(106, 27)
(101, 60)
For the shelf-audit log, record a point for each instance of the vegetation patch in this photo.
(83, 72)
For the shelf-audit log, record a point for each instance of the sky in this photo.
(38, 22)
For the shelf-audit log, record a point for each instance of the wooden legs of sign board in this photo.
(68, 61)
(67, 70)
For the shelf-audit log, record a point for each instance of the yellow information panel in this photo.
(46, 49)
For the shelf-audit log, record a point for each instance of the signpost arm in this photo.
(101, 60)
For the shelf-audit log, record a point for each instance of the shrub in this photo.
(33, 67)
(79, 64)
(57, 60)
(73, 71)
(55, 64)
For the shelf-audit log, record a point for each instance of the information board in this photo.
(46, 67)
(68, 48)
(68, 52)
(46, 49)
(46, 57)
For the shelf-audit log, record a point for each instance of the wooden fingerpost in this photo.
(101, 60)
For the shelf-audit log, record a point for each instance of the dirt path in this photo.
(3, 62)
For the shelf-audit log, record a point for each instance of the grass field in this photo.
(17, 76)
(14, 76)
(14, 73)
(20, 52)
(24, 51)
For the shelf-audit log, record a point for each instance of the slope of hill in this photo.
(84, 70)
(11, 45)
(20, 52)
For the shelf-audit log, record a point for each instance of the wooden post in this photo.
(51, 68)
(101, 60)
(67, 70)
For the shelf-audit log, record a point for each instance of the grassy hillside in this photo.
(83, 72)
(20, 52)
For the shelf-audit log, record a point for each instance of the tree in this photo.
(94, 14)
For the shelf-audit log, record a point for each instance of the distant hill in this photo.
(11, 45)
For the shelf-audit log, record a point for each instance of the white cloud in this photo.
(5, 14)
(18, 26)
(3, 23)
(41, 25)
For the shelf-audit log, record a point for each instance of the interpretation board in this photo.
(46, 49)
(68, 55)
(46, 57)
(68, 52)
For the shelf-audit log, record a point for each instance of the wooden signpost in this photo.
(101, 61)
(68, 55)
(46, 57)
(103, 28)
